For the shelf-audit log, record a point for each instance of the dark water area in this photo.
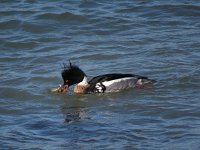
(158, 39)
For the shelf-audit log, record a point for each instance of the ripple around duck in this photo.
(23, 13)
(10, 24)
(36, 28)
(14, 93)
(180, 10)
(67, 16)
(101, 57)
(21, 44)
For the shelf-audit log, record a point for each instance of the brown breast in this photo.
(80, 89)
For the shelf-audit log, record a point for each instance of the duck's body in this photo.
(113, 83)
(99, 84)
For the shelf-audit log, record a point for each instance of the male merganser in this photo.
(72, 74)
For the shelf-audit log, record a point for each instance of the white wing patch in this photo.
(99, 88)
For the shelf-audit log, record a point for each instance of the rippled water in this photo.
(158, 39)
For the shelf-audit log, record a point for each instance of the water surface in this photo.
(158, 39)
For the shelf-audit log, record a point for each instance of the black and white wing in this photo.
(114, 82)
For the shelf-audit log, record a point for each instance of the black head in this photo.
(72, 74)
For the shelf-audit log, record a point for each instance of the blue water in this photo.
(158, 39)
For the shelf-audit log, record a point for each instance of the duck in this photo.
(106, 83)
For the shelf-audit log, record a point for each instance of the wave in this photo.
(66, 16)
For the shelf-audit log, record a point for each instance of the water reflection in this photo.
(75, 108)
(74, 114)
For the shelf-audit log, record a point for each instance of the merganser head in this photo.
(71, 75)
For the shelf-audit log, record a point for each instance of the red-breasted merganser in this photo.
(72, 74)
